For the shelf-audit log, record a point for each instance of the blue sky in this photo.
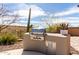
(48, 12)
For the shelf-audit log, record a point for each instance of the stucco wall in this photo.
(74, 31)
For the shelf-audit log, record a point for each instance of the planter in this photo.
(64, 32)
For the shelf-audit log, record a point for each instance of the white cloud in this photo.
(35, 11)
(6, 19)
(23, 12)
(61, 20)
(67, 20)
(72, 18)
(69, 11)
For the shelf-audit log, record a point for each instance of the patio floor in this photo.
(20, 52)
(74, 48)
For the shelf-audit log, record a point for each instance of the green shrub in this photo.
(57, 27)
(20, 34)
(8, 38)
(53, 28)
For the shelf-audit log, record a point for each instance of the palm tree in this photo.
(28, 24)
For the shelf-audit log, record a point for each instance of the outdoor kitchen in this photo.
(47, 43)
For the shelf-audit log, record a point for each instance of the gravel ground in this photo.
(18, 45)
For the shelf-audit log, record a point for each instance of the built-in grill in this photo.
(38, 34)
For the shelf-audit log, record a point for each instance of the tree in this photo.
(5, 13)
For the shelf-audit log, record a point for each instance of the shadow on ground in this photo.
(31, 53)
(72, 51)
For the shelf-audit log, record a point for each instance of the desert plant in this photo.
(53, 28)
(64, 26)
(57, 27)
(29, 17)
(8, 38)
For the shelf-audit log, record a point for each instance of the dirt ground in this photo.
(18, 45)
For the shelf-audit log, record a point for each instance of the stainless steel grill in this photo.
(38, 34)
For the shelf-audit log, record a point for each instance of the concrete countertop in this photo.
(53, 34)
